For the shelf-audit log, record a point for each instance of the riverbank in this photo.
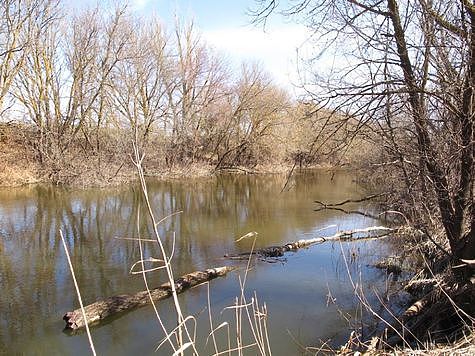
(22, 162)
(17, 169)
(429, 313)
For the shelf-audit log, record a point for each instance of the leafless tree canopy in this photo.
(87, 83)
(406, 75)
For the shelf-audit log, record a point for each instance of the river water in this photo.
(37, 288)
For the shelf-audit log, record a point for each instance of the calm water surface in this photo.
(37, 289)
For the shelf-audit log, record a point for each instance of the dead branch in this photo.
(358, 212)
(347, 201)
(233, 169)
(338, 206)
(279, 251)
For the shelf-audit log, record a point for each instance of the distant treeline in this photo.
(86, 85)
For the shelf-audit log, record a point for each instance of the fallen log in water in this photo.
(278, 251)
(103, 309)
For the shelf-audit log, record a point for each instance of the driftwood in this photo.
(390, 265)
(235, 169)
(278, 251)
(420, 287)
(102, 309)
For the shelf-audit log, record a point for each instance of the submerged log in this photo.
(390, 265)
(278, 251)
(102, 309)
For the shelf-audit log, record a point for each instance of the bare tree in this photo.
(196, 85)
(63, 80)
(17, 23)
(255, 109)
(407, 73)
(139, 88)
(94, 45)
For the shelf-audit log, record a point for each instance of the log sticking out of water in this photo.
(102, 309)
(390, 264)
(278, 251)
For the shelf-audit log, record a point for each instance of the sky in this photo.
(226, 26)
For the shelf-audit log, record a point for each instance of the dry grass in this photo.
(465, 346)
(17, 163)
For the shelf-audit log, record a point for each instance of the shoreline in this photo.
(23, 175)
(22, 162)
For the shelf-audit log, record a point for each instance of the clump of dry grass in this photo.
(464, 346)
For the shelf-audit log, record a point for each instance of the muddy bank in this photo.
(428, 307)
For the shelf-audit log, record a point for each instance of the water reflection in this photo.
(37, 288)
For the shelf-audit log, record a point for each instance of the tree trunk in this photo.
(450, 219)
(102, 309)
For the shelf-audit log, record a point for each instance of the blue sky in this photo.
(209, 14)
(225, 25)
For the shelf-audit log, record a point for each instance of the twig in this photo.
(368, 215)
(347, 201)
(338, 206)
(287, 180)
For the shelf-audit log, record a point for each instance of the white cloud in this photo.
(276, 49)
(139, 4)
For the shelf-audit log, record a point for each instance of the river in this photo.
(37, 287)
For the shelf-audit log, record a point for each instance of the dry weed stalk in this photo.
(248, 314)
(355, 341)
(76, 286)
(182, 334)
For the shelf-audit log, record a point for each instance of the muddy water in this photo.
(37, 289)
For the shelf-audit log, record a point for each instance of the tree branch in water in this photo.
(338, 206)
(267, 253)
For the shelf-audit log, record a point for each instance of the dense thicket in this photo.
(86, 85)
